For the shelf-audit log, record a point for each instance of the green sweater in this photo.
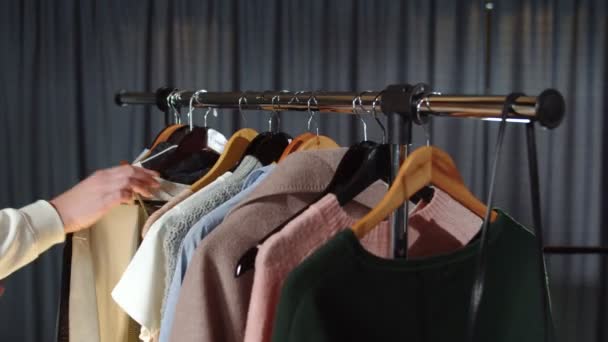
(344, 293)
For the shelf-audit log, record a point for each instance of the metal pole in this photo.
(547, 108)
(399, 137)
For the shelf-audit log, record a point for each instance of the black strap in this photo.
(63, 321)
(538, 229)
(480, 270)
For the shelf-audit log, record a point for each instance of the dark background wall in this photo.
(62, 61)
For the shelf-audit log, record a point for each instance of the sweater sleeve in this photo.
(26, 233)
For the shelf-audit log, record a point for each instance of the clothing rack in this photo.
(402, 104)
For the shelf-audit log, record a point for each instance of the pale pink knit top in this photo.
(437, 227)
(440, 226)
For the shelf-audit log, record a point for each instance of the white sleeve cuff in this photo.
(45, 223)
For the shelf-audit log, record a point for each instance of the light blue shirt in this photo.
(196, 234)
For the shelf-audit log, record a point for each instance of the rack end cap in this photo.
(161, 97)
(550, 108)
(118, 98)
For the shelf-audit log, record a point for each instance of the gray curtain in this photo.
(62, 62)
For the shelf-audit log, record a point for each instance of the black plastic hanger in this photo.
(267, 147)
(375, 166)
(193, 142)
(349, 163)
(372, 165)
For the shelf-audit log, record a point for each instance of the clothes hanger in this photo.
(426, 165)
(362, 165)
(352, 178)
(233, 152)
(174, 133)
(195, 141)
(316, 142)
(309, 141)
(372, 164)
(268, 147)
(295, 144)
(350, 162)
(165, 134)
(426, 193)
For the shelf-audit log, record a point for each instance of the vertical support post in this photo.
(399, 138)
(397, 101)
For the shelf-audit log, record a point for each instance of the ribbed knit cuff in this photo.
(45, 223)
(461, 223)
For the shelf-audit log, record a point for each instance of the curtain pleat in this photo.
(64, 60)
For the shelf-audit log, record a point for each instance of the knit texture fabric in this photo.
(196, 234)
(164, 209)
(199, 205)
(341, 292)
(440, 226)
(283, 251)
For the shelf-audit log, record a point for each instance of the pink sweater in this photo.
(283, 251)
(436, 227)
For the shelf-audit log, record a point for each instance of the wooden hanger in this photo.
(426, 165)
(295, 144)
(318, 142)
(308, 141)
(163, 136)
(233, 152)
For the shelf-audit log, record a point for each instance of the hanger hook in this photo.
(295, 97)
(191, 109)
(177, 118)
(419, 120)
(312, 113)
(357, 102)
(209, 110)
(375, 114)
(241, 99)
(276, 106)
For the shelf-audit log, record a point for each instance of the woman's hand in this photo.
(84, 204)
